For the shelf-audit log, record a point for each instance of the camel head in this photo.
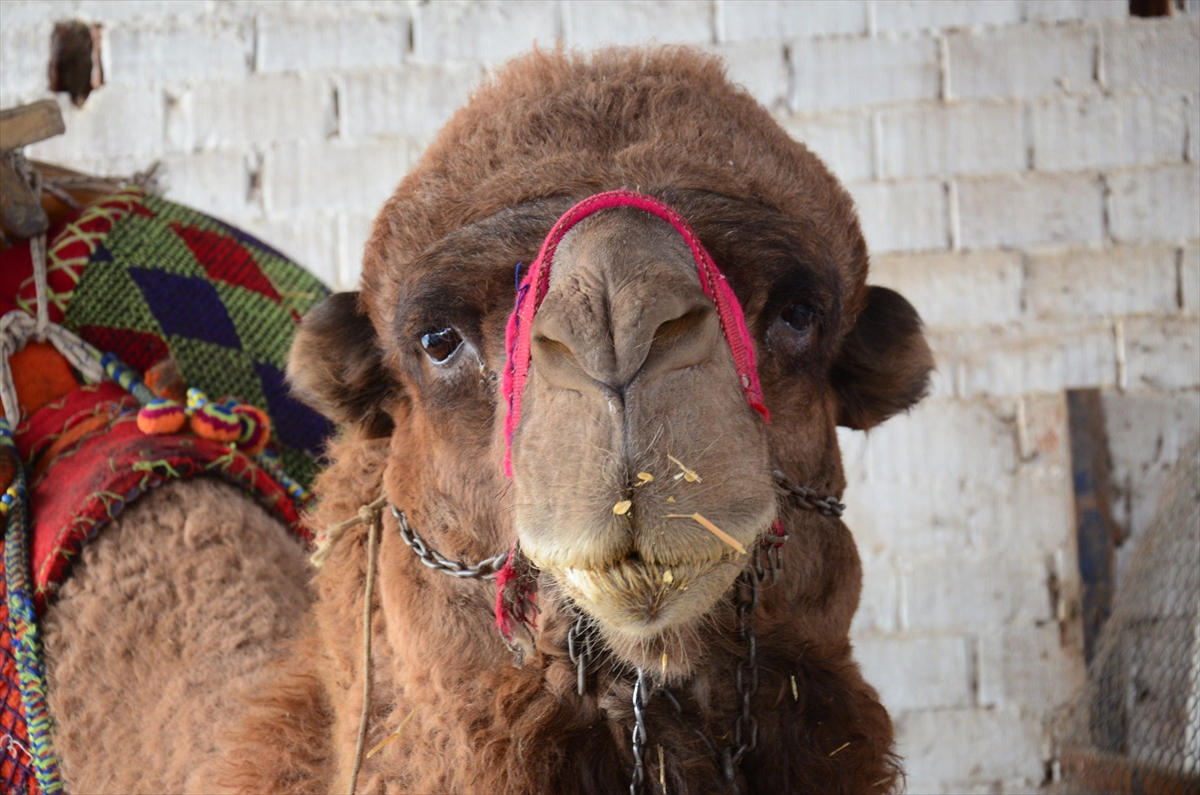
(642, 470)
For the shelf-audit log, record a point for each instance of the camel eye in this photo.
(440, 345)
(799, 316)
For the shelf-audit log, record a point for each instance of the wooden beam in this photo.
(1096, 533)
(21, 213)
(29, 124)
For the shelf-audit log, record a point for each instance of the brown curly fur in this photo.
(175, 606)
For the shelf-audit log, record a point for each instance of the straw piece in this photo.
(394, 734)
(688, 474)
(710, 527)
(622, 507)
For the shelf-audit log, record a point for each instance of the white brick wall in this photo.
(1026, 173)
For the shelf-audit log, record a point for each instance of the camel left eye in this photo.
(799, 316)
(440, 345)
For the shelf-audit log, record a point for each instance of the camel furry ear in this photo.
(884, 365)
(336, 366)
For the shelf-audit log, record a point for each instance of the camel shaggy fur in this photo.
(630, 374)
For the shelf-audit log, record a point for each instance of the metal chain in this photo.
(809, 498)
(580, 649)
(640, 699)
(483, 570)
(745, 728)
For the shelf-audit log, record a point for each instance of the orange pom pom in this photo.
(161, 416)
(256, 428)
(216, 423)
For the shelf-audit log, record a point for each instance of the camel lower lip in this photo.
(634, 593)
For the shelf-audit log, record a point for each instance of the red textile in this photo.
(87, 482)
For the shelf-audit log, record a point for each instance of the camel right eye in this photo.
(440, 345)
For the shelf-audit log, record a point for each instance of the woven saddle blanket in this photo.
(146, 280)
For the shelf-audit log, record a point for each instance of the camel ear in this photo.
(884, 364)
(336, 366)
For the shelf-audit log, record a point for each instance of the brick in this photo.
(1088, 283)
(258, 110)
(190, 52)
(961, 747)
(917, 672)
(842, 73)
(1189, 279)
(1151, 53)
(963, 591)
(309, 176)
(414, 101)
(780, 19)
(353, 231)
(1021, 61)
(485, 32)
(947, 474)
(759, 67)
(878, 606)
(1066, 10)
(1162, 353)
(308, 238)
(1193, 118)
(841, 139)
(1034, 358)
(217, 183)
(1155, 204)
(902, 216)
(968, 138)
(1078, 133)
(302, 42)
(955, 290)
(1029, 210)
(115, 121)
(149, 11)
(1029, 665)
(1146, 433)
(913, 15)
(22, 67)
(23, 13)
(628, 22)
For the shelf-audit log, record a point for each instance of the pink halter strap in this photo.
(520, 323)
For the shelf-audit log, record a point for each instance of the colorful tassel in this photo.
(217, 423)
(161, 416)
(256, 428)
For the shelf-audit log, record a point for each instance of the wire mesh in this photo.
(1136, 726)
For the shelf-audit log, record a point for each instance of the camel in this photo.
(675, 586)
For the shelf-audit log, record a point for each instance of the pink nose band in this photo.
(533, 289)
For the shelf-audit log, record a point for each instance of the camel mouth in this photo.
(640, 600)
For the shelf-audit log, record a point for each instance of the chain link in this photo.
(483, 570)
(580, 649)
(745, 728)
(640, 699)
(809, 498)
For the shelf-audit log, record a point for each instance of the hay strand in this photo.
(712, 528)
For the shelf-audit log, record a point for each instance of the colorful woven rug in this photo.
(146, 279)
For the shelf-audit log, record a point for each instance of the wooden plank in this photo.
(29, 124)
(21, 213)
(1096, 533)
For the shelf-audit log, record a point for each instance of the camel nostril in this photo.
(673, 331)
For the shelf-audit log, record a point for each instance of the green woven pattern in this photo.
(167, 280)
